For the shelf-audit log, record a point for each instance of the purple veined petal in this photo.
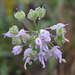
(27, 60)
(45, 58)
(8, 34)
(43, 63)
(39, 58)
(21, 32)
(45, 47)
(57, 53)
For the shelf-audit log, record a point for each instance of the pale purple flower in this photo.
(21, 32)
(54, 27)
(28, 55)
(44, 35)
(8, 34)
(38, 41)
(57, 53)
(44, 32)
(17, 50)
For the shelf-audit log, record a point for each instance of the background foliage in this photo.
(57, 11)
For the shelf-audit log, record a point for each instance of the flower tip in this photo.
(43, 67)
(64, 60)
(66, 40)
(25, 68)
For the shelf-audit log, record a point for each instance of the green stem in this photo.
(36, 26)
(49, 45)
(26, 26)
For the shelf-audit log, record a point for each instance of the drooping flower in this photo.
(28, 55)
(17, 49)
(54, 27)
(41, 56)
(57, 53)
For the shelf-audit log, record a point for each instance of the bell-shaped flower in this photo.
(57, 53)
(17, 49)
(28, 55)
(20, 15)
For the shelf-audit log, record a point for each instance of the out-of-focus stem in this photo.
(36, 26)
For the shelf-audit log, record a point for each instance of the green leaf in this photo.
(38, 49)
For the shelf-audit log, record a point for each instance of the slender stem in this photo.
(36, 26)
(26, 26)
(49, 45)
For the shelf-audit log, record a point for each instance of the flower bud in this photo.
(59, 39)
(40, 12)
(20, 15)
(16, 40)
(25, 38)
(32, 15)
(60, 31)
(13, 30)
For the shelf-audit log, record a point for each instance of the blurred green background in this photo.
(56, 11)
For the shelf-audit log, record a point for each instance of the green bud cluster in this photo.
(14, 30)
(60, 35)
(37, 13)
(16, 40)
(40, 12)
(20, 15)
(32, 15)
(25, 38)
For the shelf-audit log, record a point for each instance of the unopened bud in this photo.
(32, 15)
(25, 38)
(20, 15)
(16, 40)
(14, 30)
(40, 12)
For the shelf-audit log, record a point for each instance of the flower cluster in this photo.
(40, 46)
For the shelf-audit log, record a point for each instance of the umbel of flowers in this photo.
(40, 45)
